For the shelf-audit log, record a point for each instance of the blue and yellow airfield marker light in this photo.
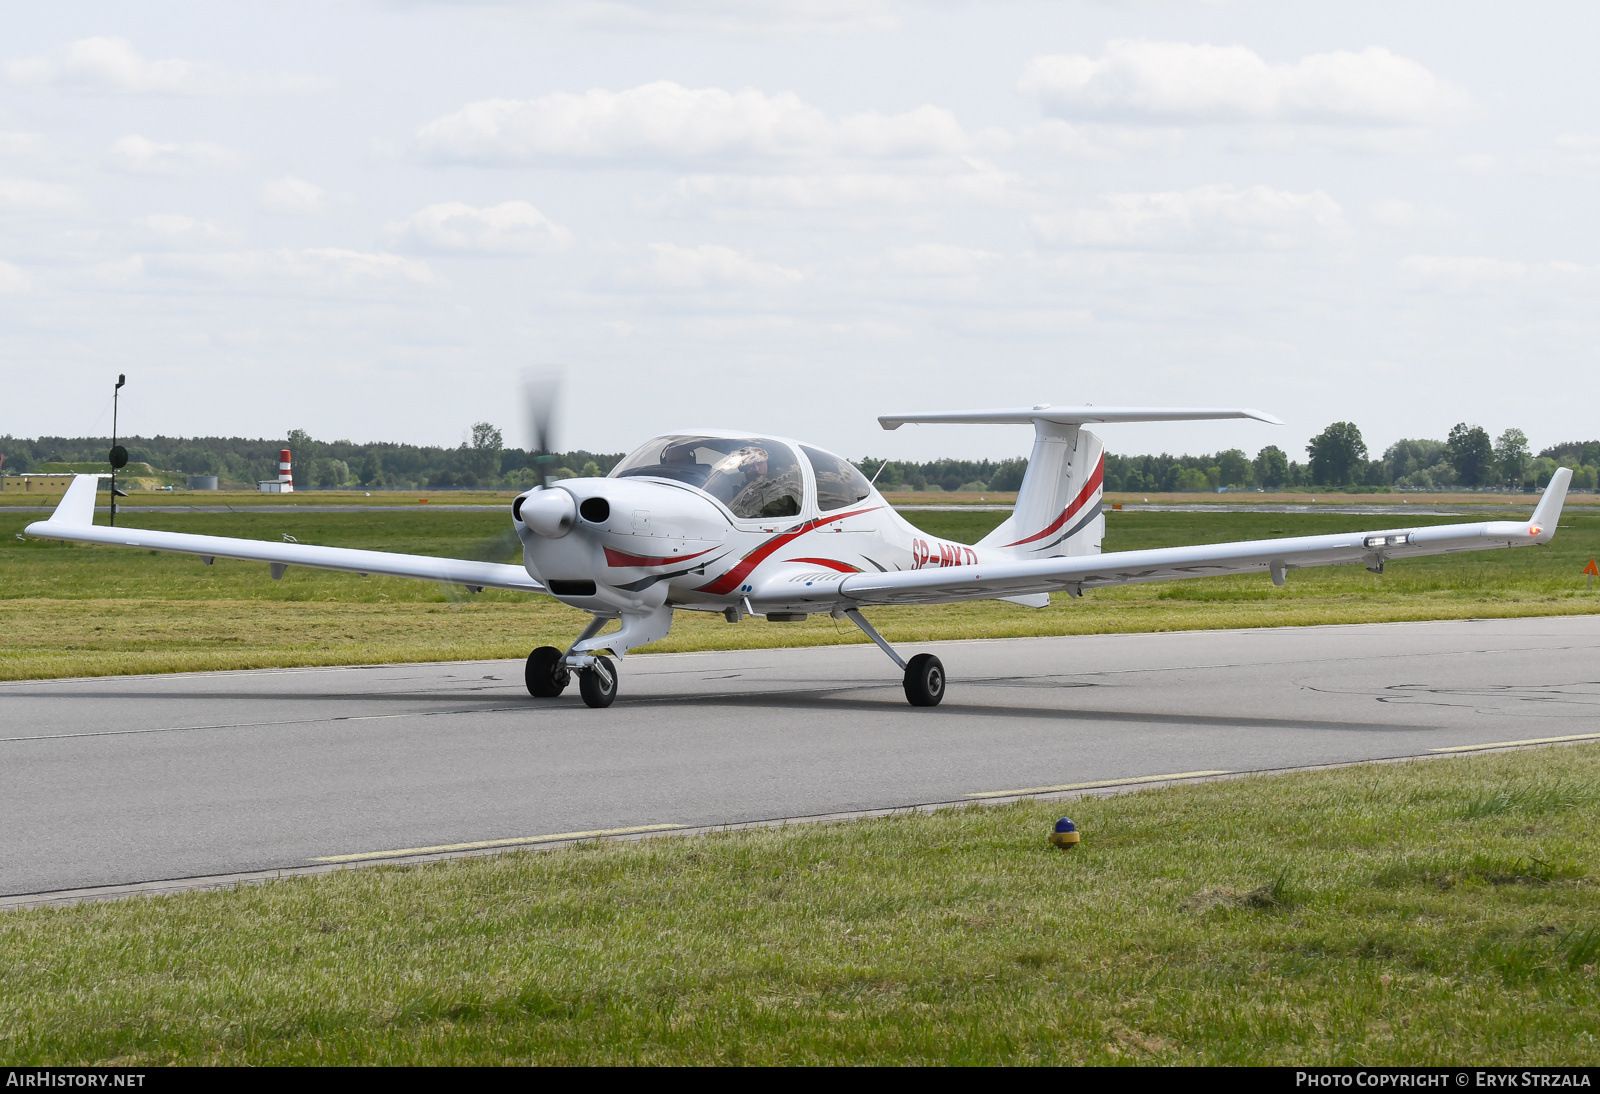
(1066, 834)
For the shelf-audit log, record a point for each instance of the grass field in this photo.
(1439, 912)
(70, 610)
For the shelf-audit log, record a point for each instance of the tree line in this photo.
(1337, 458)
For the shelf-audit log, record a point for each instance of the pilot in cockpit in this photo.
(759, 490)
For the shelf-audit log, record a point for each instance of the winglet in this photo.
(1548, 512)
(76, 509)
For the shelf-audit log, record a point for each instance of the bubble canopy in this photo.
(755, 477)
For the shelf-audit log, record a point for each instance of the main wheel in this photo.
(547, 677)
(598, 682)
(925, 680)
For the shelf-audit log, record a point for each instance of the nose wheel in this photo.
(598, 683)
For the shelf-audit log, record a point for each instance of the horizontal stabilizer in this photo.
(1074, 415)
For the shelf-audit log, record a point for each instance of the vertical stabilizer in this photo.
(1058, 506)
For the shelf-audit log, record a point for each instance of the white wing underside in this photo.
(1274, 556)
(73, 520)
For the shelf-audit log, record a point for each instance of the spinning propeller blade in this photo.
(541, 394)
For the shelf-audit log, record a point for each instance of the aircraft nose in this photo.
(548, 512)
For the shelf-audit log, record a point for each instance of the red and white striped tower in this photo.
(285, 475)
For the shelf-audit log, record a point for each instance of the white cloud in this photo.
(981, 183)
(292, 196)
(136, 155)
(1207, 218)
(316, 267)
(1460, 273)
(664, 120)
(177, 230)
(1398, 213)
(29, 195)
(730, 17)
(1098, 142)
(940, 260)
(112, 66)
(708, 266)
(1176, 80)
(512, 227)
(18, 145)
(14, 280)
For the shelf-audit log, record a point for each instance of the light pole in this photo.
(118, 455)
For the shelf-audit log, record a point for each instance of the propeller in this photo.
(541, 397)
(541, 400)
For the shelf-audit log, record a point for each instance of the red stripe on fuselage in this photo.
(1077, 503)
(728, 581)
(618, 558)
(832, 564)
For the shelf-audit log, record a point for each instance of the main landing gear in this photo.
(548, 676)
(924, 673)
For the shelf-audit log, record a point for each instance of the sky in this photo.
(367, 219)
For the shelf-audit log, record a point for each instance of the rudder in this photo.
(1058, 506)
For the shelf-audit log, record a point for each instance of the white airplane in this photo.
(742, 524)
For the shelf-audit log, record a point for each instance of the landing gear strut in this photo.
(924, 673)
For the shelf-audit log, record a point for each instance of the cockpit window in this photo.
(838, 482)
(754, 477)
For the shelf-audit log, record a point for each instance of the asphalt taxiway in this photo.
(123, 781)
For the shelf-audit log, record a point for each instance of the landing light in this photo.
(1387, 541)
(1534, 529)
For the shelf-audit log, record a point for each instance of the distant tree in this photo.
(1008, 476)
(591, 470)
(1511, 457)
(1471, 453)
(1233, 468)
(1410, 462)
(328, 472)
(1573, 453)
(1338, 455)
(1271, 468)
(369, 470)
(483, 458)
(1190, 480)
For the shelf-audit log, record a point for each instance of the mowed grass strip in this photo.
(69, 610)
(1413, 913)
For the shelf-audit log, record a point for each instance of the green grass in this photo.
(85, 610)
(1369, 915)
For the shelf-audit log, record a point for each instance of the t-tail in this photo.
(1058, 509)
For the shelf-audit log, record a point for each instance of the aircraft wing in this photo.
(73, 520)
(1274, 556)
